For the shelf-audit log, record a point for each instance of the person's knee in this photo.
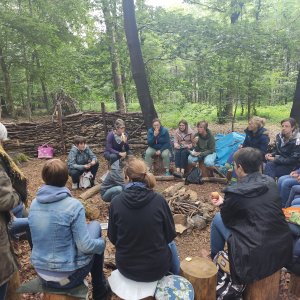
(165, 154)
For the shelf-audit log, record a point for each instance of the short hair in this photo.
(79, 139)
(119, 123)
(249, 158)
(203, 124)
(136, 170)
(55, 172)
(258, 122)
(292, 121)
(156, 120)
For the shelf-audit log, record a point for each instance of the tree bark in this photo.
(295, 111)
(137, 63)
(109, 16)
(7, 84)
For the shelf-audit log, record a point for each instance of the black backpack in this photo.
(194, 176)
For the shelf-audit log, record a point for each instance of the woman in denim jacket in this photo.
(65, 248)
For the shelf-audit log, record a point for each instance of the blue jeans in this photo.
(111, 157)
(18, 226)
(294, 195)
(273, 170)
(285, 184)
(209, 160)
(111, 193)
(175, 266)
(219, 234)
(3, 289)
(95, 266)
(181, 158)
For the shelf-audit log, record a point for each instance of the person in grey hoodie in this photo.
(81, 159)
(114, 182)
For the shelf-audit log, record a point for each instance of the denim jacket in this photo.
(77, 159)
(60, 238)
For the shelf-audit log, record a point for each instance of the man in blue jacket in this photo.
(159, 144)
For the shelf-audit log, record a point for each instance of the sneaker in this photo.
(74, 186)
(167, 173)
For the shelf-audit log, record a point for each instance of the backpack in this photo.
(194, 176)
(85, 180)
(226, 289)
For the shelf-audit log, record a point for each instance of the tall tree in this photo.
(295, 111)
(137, 63)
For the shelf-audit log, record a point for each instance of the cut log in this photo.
(215, 179)
(202, 274)
(171, 190)
(90, 192)
(264, 289)
(58, 297)
(294, 287)
(165, 178)
(13, 285)
(206, 171)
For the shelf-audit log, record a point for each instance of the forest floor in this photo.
(188, 244)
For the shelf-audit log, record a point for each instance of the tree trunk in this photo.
(295, 111)
(137, 63)
(109, 16)
(7, 83)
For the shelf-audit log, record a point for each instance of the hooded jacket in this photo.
(289, 152)
(60, 238)
(141, 226)
(259, 140)
(161, 141)
(77, 159)
(260, 242)
(115, 177)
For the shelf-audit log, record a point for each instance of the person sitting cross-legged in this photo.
(81, 159)
(65, 247)
(204, 143)
(251, 222)
(159, 145)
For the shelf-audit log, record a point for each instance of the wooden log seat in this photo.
(294, 286)
(35, 286)
(158, 167)
(264, 289)
(202, 273)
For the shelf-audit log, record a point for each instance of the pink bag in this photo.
(45, 151)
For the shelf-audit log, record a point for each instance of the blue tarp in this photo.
(227, 144)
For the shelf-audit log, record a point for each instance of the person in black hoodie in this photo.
(252, 222)
(142, 228)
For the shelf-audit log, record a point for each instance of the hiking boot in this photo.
(74, 186)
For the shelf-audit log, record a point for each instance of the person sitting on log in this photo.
(204, 143)
(286, 157)
(182, 143)
(159, 145)
(65, 247)
(13, 191)
(141, 227)
(114, 182)
(251, 222)
(117, 146)
(289, 187)
(81, 159)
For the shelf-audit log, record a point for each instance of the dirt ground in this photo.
(188, 244)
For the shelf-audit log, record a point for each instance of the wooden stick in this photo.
(90, 192)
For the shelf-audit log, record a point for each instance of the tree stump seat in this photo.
(294, 286)
(202, 274)
(264, 289)
(35, 286)
(158, 167)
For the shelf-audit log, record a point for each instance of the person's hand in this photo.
(87, 166)
(269, 157)
(122, 154)
(216, 200)
(294, 174)
(92, 163)
(176, 146)
(156, 132)
(124, 138)
(240, 146)
(158, 152)
(196, 153)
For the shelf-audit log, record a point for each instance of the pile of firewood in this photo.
(189, 210)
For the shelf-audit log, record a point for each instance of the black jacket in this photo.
(259, 140)
(141, 226)
(260, 242)
(289, 153)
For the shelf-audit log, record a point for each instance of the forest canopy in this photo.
(225, 56)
